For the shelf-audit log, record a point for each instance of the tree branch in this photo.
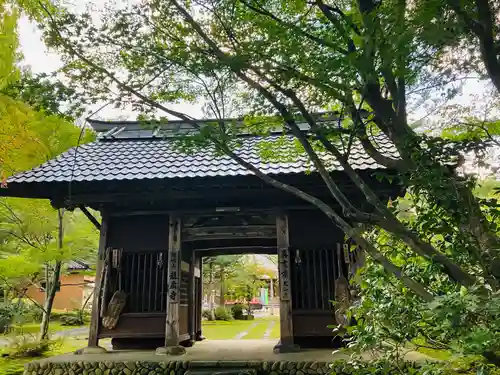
(484, 31)
(418, 288)
(23, 294)
(388, 221)
(287, 25)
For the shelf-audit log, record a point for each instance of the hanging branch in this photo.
(418, 288)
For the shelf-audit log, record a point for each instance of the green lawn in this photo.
(220, 330)
(258, 331)
(34, 328)
(15, 366)
(275, 332)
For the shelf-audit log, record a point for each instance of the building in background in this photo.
(74, 288)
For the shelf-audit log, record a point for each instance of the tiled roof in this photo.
(77, 265)
(139, 159)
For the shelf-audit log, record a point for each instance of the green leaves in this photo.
(8, 44)
(35, 119)
(251, 59)
(468, 321)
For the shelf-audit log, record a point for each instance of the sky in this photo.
(41, 60)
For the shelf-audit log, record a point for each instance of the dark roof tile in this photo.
(135, 159)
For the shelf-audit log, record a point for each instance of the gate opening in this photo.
(240, 298)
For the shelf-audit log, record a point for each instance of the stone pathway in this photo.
(269, 329)
(240, 335)
(72, 332)
(268, 324)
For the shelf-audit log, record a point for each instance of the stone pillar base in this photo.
(199, 336)
(171, 350)
(91, 350)
(285, 348)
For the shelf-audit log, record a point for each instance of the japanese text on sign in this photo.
(173, 278)
(284, 271)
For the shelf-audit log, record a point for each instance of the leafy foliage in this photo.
(238, 311)
(25, 346)
(46, 95)
(360, 62)
(459, 320)
(35, 128)
(364, 62)
(222, 313)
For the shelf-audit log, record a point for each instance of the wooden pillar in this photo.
(286, 343)
(199, 301)
(192, 298)
(173, 268)
(96, 300)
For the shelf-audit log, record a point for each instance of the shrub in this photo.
(76, 318)
(72, 321)
(238, 310)
(26, 311)
(35, 314)
(221, 313)
(7, 313)
(206, 314)
(57, 315)
(26, 346)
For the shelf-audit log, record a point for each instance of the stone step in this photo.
(219, 371)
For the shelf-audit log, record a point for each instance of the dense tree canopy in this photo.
(367, 64)
(36, 124)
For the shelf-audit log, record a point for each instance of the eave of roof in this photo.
(136, 159)
(126, 151)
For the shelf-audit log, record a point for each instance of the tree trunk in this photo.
(472, 220)
(222, 299)
(49, 301)
(211, 306)
(51, 284)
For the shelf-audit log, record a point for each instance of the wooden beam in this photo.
(173, 276)
(286, 343)
(229, 232)
(211, 211)
(96, 302)
(91, 217)
(235, 250)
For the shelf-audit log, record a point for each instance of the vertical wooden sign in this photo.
(173, 279)
(284, 273)
(192, 297)
(283, 244)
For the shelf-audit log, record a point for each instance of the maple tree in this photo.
(32, 132)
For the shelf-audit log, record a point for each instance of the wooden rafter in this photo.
(91, 217)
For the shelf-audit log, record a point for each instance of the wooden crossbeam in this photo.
(229, 232)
